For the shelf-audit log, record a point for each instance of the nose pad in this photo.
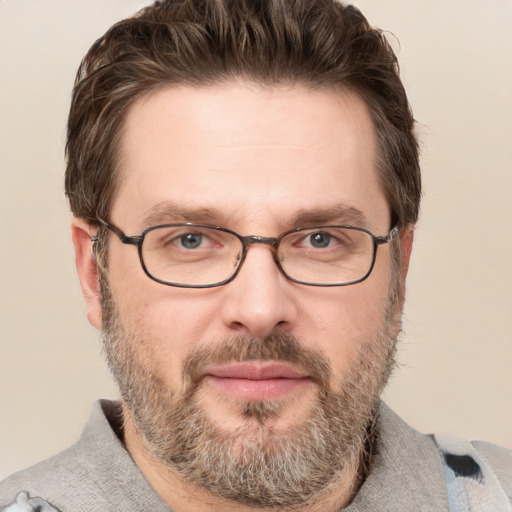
(259, 299)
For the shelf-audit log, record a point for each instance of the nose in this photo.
(260, 299)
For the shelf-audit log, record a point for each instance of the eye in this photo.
(320, 239)
(191, 240)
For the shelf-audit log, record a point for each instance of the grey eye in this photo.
(191, 240)
(320, 239)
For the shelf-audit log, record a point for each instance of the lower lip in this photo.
(263, 389)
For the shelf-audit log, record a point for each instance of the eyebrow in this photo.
(338, 214)
(169, 211)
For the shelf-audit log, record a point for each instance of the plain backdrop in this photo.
(456, 353)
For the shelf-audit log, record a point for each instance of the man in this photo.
(244, 181)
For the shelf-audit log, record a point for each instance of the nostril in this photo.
(237, 326)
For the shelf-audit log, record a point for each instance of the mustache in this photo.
(277, 347)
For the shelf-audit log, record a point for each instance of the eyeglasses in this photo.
(202, 256)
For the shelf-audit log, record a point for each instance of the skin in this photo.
(257, 157)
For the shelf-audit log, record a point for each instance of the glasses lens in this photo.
(327, 255)
(191, 255)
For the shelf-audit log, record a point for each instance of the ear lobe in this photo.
(81, 233)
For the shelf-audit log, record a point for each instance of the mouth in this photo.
(256, 380)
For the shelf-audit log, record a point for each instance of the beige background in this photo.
(457, 353)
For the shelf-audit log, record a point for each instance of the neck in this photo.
(183, 496)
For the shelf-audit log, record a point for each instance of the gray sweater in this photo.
(409, 473)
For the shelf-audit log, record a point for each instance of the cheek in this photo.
(167, 323)
(339, 321)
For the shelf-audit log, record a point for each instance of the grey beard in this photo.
(256, 464)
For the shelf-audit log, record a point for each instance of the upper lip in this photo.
(256, 371)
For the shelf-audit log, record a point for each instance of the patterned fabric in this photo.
(471, 482)
(23, 503)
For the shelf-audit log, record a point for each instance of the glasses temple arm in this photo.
(125, 239)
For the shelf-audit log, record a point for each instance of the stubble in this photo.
(255, 464)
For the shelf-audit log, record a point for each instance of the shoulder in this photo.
(63, 474)
(406, 468)
(477, 473)
(69, 477)
(499, 461)
(427, 472)
(97, 473)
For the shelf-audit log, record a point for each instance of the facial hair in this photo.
(255, 464)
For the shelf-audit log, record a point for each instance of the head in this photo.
(319, 44)
(259, 117)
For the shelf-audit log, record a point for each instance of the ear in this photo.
(81, 233)
(406, 240)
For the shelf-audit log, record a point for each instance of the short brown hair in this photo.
(316, 43)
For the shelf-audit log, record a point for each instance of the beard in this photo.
(256, 463)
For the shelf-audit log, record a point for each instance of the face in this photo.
(279, 379)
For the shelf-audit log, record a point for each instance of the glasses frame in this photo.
(246, 241)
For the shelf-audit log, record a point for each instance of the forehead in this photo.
(242, 151)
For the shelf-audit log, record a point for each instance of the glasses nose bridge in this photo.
(272, 242)
(263, 240)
